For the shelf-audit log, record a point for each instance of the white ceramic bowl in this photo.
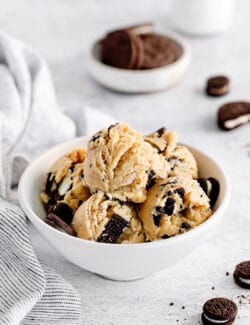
(117, 262)
(140, 81)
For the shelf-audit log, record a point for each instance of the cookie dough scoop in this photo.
(65, 182)
(119, 162)
(179, 157)
(108, 221)
(173, 206)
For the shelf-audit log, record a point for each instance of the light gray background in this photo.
(63, 31)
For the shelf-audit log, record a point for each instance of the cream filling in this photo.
(230, 124)
(246, 281)
(215, 321)
(65, 185)
(209, 188)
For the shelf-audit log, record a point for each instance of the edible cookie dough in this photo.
(120, 163)
(128, 188)
(65, 181)
(180, 159)
(109, 221)
(173, 206)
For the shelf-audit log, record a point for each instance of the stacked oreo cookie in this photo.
(138, 47)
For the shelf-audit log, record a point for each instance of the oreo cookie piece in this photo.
(242, 274)
(158, 51)
(217, 86)
(57, 223)
(63, 211)
(233, 115)
(120, 49)
(211, 187)
(219, 311)
(113, 229)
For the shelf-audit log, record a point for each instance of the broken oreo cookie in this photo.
(57, 223)
(217, 86)
(113, 229)
(211, 187)
(219, 311)
(63, 211)
(242, 274)
(233, 115)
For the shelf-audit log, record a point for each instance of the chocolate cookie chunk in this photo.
(158, 51)
(211, 187)
(219, 311)
(57, 223)
(217, 86)
(120, 49)
(113, 229)
(233, 115)
(63, 211)
(242, 274)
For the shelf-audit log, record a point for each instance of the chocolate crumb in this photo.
(183, 307)
(227, 273)
(171, 304)
(213, 288)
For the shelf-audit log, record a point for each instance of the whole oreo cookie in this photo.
(219, 311)
(120, 49)
(242, 274)
(233, 115)
(158, 51)
(217, 86)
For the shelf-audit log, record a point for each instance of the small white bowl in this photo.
(117, 262)
(140, 81)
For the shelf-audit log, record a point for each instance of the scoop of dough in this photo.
(182, 161)
(107, 220)
(173, 206)
(119, 162)
(65, 181)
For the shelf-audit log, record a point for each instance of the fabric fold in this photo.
(31, 122)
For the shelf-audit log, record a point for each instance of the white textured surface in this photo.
(62, 31)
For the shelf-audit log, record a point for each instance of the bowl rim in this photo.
(28, 210)
(182, 43)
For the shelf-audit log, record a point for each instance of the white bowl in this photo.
(140, 81)
(117, 262)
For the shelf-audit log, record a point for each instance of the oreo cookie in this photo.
(219, 311)
(57, 223)
(242, 274)
(211, 187)
(233, 115)
(137, 47)
(63, 211)
(217, 86)
(158, 51)
(120, 49)
(113, 229)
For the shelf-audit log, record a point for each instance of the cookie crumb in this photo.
(183, 307)
(171, 304)
(213, 288)
(227, 273)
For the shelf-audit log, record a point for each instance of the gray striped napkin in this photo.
(30, 292)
